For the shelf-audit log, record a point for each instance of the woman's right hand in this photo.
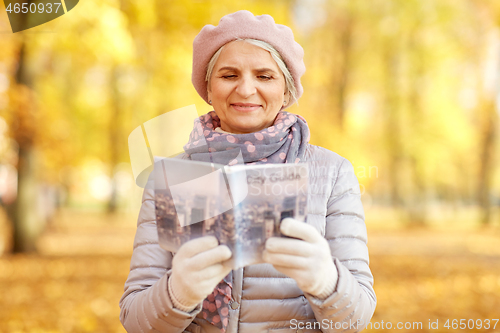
(197, 268)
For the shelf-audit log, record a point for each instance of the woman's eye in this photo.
(265, 77)
(228, 76)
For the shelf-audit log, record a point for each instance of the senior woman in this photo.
(317, 280)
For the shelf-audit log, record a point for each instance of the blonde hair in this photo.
(289, 82)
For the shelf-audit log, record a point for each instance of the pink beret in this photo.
(243, 24)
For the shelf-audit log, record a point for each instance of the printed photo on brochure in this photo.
(241, 205)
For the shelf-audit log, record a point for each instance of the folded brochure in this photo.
(241, 205)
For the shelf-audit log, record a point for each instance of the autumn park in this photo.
(408, 91)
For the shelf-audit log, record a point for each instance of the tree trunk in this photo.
(393, 123)
(23, 212)
(488, 135)
(487, 110)
(27, 222)
(114, 138)
(345, 50)
(417, 206)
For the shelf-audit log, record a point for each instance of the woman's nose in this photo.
(246, 87)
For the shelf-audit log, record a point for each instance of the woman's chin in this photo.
(244, 128)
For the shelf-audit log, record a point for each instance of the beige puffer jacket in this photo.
(264, 300)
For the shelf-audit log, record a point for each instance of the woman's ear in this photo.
(209, 88)
(286, 98)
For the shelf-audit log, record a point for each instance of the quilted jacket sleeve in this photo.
(350, 307)
(146, 305)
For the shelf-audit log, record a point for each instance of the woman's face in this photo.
(247, 88)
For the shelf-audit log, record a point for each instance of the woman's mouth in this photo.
(245, 107)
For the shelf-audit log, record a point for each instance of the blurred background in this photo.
(408, 91)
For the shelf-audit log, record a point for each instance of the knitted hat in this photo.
(243, 24)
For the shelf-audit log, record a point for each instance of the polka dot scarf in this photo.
(216, 306)
(283, 142)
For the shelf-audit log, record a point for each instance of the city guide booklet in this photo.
(241, 205)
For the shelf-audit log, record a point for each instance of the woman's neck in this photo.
(220, 130)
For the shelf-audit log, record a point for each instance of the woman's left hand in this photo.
(306, 259)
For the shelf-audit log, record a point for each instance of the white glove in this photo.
(307, 260)
(197, 268)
